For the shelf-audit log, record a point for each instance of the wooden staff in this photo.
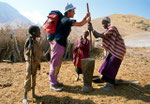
(31, 74)
(78, 52)
(89, 30)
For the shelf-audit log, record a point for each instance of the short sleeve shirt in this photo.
(64, 30)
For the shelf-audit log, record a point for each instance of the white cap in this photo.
(68, 7)
(106, 19)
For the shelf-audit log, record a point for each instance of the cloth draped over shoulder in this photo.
(114, 43)
(81, 53)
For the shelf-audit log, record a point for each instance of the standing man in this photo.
(58, 45)
(113, 42)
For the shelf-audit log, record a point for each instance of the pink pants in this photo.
(57, 52)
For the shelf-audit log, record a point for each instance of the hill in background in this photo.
(9, 16)
(126, 24)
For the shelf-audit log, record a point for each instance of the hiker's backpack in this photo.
(52, 22)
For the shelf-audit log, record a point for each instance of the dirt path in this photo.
(138, 40)
(135, 66)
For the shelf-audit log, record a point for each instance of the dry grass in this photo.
(12, 43)
(126, 24)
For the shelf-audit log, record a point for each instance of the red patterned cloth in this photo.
(114, 43)
(80, 53)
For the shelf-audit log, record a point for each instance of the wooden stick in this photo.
(87, 5)
(47, 52)
(31, 74)
(78, 52)
(89, 30)
(136, 88)
(18, 51)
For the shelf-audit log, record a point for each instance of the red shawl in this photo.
(80, 53)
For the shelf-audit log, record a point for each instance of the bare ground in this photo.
(135, 66)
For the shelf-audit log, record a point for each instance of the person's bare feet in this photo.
(77, 78)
